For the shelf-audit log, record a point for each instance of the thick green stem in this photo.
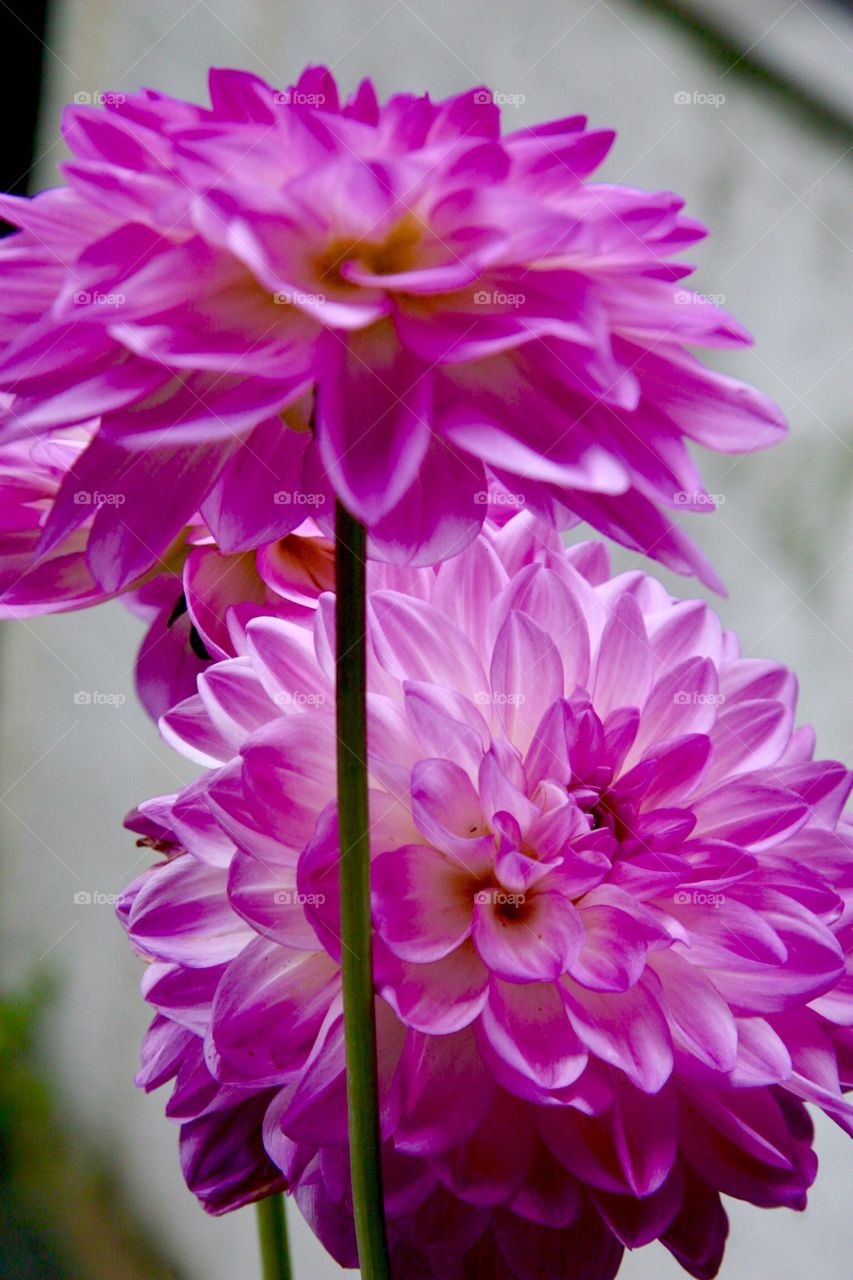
(359, 1017)
(272, 1237)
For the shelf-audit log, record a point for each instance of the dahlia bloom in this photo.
(392, 303)
(31, 475)
(195, 599)
(612, 893)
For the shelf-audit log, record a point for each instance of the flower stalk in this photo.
(272, 1239)
(357, 964)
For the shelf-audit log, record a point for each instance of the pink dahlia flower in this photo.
(447, 303)
(196, 599)
(612, 903)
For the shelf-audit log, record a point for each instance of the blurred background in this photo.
(747, 109)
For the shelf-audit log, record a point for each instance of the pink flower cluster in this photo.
(612, 888)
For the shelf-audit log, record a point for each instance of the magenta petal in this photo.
(638, 1222)
(315, 1110)
(526, 677)
(552, 605)
(130, 491)
(533, 941)
(549, 1196)
(164, 1046)
(697, 1236)
(500, 782)
(413, 641)
(527, 1025)
(698, 1015)
(440, 513)
(286, 774)
(614, 949)
(489, 1166)
(439, 997)
(283, 654)
(373, 407)
(750, 813)
(762, 1058)
(422, 902)
(234, 700)
(446, 725)
(259, 495)
(751, 1145)
(446, 1092)
(624, 668)
(448, 813)
(268, 1010)
(587, 1248)
(266, 895)
(629, 1150)
(626, 1029)
(182, 911)
(223, 1158)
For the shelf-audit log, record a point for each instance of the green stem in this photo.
(272, 1237)
(357, 967)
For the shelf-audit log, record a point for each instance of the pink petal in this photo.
(373, 412)
(623, 671)
(422, 902)
(626, 1029)
(446, 1092)
(447, 811)
(536, 942)
(268, 1009)
(439, 997)
(526, 676)
(528, 1027)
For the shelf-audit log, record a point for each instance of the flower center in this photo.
(395, 253)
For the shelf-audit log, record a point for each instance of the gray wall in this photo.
(778, 199)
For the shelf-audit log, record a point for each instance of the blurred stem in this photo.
(357, 966)
(272, 1237)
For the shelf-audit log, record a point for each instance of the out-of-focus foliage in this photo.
(61, 1212)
